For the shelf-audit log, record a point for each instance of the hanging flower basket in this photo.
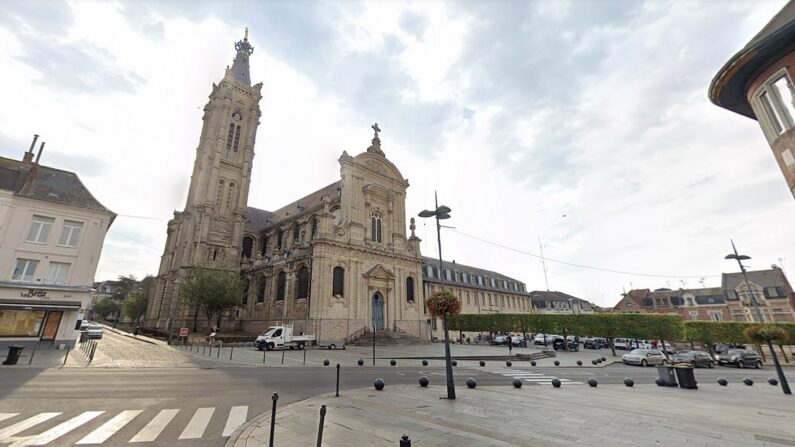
(441, 303)
(763, 334)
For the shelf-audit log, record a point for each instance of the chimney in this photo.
(28, 157)
(38, 156)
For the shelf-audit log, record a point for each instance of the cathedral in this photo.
(335, 263)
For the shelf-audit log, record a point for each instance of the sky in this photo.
(583, 126)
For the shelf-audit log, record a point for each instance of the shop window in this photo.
(20, 323)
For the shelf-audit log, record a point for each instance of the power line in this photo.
(135, 240)
(140, 217)
(573, 264)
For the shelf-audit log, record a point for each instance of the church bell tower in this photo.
(209, 231)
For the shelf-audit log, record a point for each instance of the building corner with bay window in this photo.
(51, 235)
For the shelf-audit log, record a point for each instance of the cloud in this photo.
(86, 165)
(414, 23)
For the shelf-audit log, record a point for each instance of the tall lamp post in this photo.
(442, 212)
(740, 258)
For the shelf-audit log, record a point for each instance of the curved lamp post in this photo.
(442, 212)
(740, 258)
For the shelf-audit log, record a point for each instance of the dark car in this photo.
(594, 343)
(558, 345)
(740, 358)
(694, 358)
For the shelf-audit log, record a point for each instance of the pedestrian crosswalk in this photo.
(97, 427)
(532, 377)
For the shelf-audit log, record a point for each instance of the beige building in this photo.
(554, 302)
(51, 235)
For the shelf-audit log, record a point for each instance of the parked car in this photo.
(330, 345)
(620, 343)
(721, 348)
(500, 340)
(93, 331)
(740, 358)
(669, 347)
(539, 338)
(518, 340)
(573, 338)
(694, 358)
(558, 344)
(639, 344)
(644, 357)
(594, 343)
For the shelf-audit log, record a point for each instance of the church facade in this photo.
(332, 264)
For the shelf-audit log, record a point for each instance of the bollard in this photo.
(263, 355)
(30, 360)
(320, 428)
(722, 381)
(603, 359)
(91, 355)
(772, 381)
(274, 397)
(629, 382)
(393, 362)
(218, 353)
(594, 362)
(66, 356)
(424, 381)
(592, 382)
(517, 383)
(508, 363)
(304, 355)
(282, 355)
(405, 441)
(533, 363)
(204, 348)
(231, 350)
(556, 382)
(454, 362)
(471, 383)
(579, 362)
(482, 363)
(424, 362)
(379, 384)
(338, 381)
(748, 381)
(326, 362)
(557, 363)
(360, 362)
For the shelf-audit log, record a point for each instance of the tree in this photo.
(212, 292)
(105, 307)
(134, 307)
(126, 284)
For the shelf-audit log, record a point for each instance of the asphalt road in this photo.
(210, 401)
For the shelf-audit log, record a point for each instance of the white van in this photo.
(620, 343)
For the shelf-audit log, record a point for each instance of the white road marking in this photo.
(198, 423)
(4, 416)
(237, 416)
(61, 429)
(155, 426)
(8, 432)
(109, 428)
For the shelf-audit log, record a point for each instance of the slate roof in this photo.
(728, 87)
(454, 266)
(540, 297)
(259, 220)
(39, 182)
(765, 278)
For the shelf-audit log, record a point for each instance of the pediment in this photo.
(378, 272)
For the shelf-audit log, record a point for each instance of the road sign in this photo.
(183, 332)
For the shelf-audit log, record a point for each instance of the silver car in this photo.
(644, 357)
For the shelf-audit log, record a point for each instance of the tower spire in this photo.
(240, 64)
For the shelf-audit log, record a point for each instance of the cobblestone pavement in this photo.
(645, 415)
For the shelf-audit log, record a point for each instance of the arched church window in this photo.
(375, 223)
(338, 281)
(281, 283)
(302, 291)
(314, 227)
(248, 245)
(279, 235)
(219, 196)
(230, 195)
(230, 136)
(263, 245)
(296, 232)
(410, 289)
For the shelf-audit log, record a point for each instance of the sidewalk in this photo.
(645, 415)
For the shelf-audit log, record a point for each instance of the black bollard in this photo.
(579, 362)
(533, 363)
(659, 382)
(471, 383)
(557, 363)
(393, 362)
(424, 381)
(517, 383)
(598, 360)
(482, 363)
(592, 382)
(304, 355)
(360, 362)
(508, 363)
(772, 381)
(424, 362)
(326, 362)
(748, 381)
(30, 360)
(66, 356)
(454, 362)
(379, 384)
(263, 355)
(282, 355)
(218, 353)
(594, 362)
(629, 382)
(603, 359)
(231, 350)
(722, 381)
(274, 397)
(338, 381)
(556, 382)
(320, 427)
(405, 441)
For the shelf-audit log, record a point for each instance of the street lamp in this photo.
(442, 212)
(740, 258)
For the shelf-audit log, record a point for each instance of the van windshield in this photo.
(268, 332)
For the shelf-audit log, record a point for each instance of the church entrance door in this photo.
(378, 312)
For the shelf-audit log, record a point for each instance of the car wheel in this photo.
(711, 364)
(300, 346)
(664, 362)
(269, 346)
(332, 346)
(643, 363)
(740, 364)
(758, 364)
(260, 348)
(693, 363)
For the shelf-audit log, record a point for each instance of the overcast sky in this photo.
(584, 123)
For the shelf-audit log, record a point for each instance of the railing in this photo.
(88, 347)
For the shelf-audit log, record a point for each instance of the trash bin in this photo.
(667, 376)
(686, 377)
(13, 354)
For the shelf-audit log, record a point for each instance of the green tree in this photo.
(126, 284)
(212, 292)
(134, 307)
(105, 307)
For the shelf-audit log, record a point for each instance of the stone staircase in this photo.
(385, 338)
